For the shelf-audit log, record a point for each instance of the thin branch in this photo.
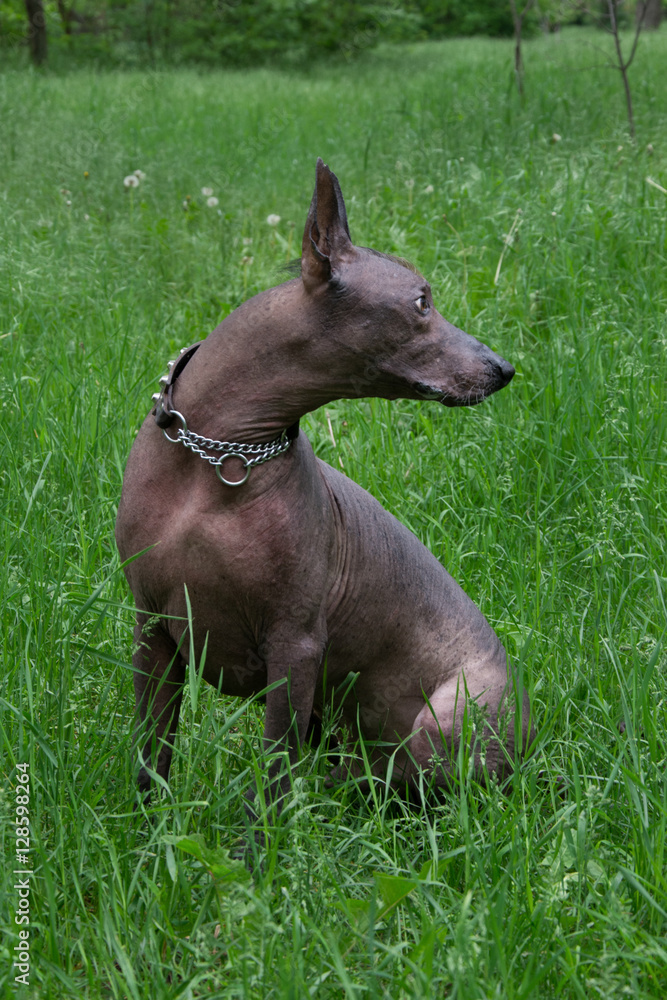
(622, 65)
(640, 25)
(518, 28)
(612, 4)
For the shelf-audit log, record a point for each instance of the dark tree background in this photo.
(37, 37)
(234, 32)
(653, 15)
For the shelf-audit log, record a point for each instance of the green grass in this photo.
(547, 503)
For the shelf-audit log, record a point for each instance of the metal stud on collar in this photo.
(248, 454)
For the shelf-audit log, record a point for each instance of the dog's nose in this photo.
(505, 371)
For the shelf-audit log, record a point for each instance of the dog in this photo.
(296, 580)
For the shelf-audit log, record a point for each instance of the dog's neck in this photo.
(261, 370)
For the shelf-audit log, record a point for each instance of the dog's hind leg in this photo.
(159, 675)
(492, 718)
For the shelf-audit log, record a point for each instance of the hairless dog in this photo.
(298, 581)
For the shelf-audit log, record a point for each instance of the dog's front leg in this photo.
(159, 674)
(293, 666)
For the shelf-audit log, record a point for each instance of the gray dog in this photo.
(297, 577)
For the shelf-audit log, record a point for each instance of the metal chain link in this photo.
(254, 453)
(249, 454)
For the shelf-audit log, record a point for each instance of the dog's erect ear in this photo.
(326, 237)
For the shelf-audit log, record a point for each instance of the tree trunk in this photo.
(36, 31)
(518, 61)
(65, 16)
(653, 15)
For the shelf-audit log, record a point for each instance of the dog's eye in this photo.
(423, 306)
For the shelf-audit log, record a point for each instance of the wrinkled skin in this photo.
(300, 575)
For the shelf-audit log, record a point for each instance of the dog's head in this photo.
(380, 310)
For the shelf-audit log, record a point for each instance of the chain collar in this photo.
(248, 454)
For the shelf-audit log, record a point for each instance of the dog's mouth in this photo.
(471, 398)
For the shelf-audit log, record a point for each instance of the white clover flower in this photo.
(247, 240)
(556, 137)
(131, 181)
(207, 192)
(273, 220)
(140, 175)
(247, 261)
(429, 189)
(212, 201)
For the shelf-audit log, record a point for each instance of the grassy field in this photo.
(547, 503)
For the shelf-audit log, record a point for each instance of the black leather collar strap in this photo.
(164, 404)
(163, 414)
